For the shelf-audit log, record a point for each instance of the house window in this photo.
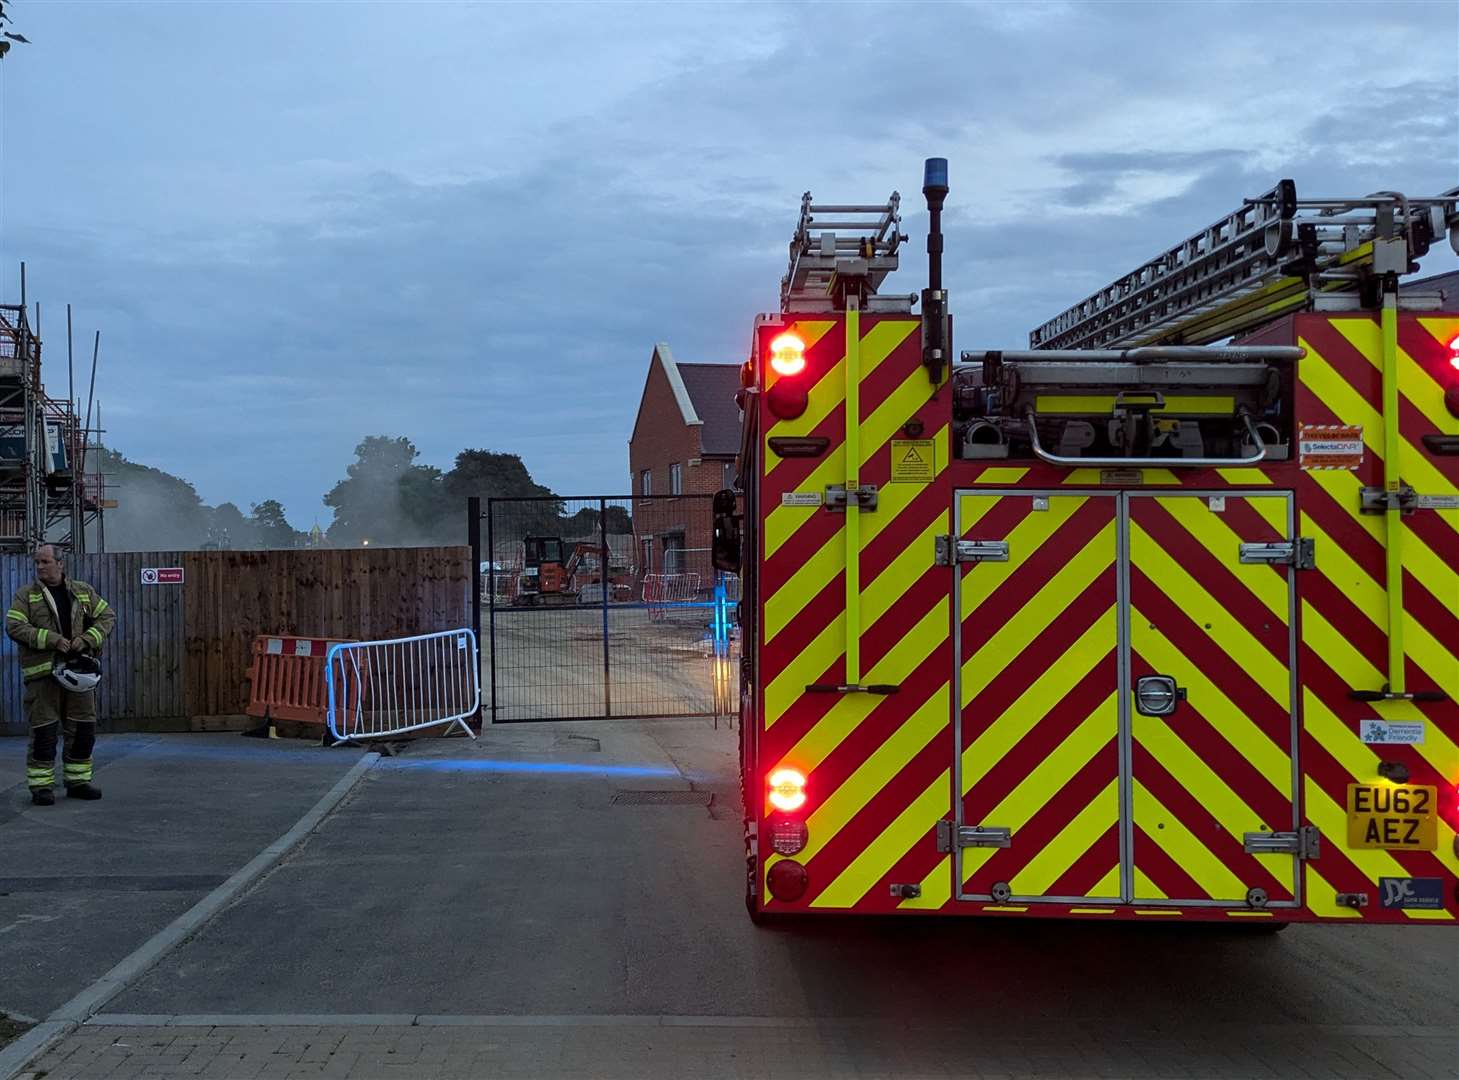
(676, 479)
(646, 482)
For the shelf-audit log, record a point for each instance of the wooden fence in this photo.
(179, 656)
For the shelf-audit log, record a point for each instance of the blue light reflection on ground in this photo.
(496, 765)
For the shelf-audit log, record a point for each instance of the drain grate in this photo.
(662, 798)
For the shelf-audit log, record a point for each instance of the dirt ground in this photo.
(550, 663)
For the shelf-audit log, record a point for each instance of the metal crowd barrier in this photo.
(381, 689)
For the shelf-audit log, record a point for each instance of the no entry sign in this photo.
(162, 575)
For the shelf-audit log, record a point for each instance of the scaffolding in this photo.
(51, 486)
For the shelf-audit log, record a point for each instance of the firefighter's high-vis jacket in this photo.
(33, 623)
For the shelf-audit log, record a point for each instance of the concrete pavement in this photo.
(514, 907)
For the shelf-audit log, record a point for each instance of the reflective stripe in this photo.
(94, 634)
(40, 638)
(40, 777)
(84, 597)
(16, 613)
(81, 771)
(101, 605)
(37, 669)
(36, 596)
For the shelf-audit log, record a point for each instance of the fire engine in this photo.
(1154, 619)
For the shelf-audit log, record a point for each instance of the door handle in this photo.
(1157, 695)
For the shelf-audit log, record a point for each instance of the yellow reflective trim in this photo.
(1061, 404)
(1209, 873)
(1232, 723)
(37, 669)
(1052, 686)
(1158, 911)
(101, 606)
(879, 856)
(1001, 476)
(1091, 911)
(1332, 820)
(1224, 544)
(1050, 776)
(936, 888)
(95, 634)
(1210, 789)
(1146, 889)
(40, 637)
(1250, 476)
(1054, 859)
(16, 613)
(1360, 760)
(1350, 407)
(1005, 907)
(35, 596)
(822, 399)
(1048, 604)
(802, 587)
(891, 584)
(873, 775)
(782, 521)
(1414, 383)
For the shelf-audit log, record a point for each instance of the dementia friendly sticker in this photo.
(1330, 446)
(1391, 732)
(912, 461)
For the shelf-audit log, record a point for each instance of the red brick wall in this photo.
(661, 435)
(660, 439)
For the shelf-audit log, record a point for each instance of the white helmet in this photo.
(78, 674)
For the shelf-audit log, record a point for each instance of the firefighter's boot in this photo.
(42, 796)
(83, 791)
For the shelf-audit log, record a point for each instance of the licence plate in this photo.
(1397, 817)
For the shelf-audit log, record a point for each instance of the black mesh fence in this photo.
(606, 607)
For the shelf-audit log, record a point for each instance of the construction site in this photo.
(52, 489)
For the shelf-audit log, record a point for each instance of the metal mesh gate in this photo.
(605, 607)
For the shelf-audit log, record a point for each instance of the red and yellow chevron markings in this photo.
(1344, 617)
(1039, 685)
(872, 761)
(1220, 766)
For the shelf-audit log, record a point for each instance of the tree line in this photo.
(386, 498)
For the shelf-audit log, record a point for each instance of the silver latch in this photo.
(1305, 843)
(1300, 553)
(971, 551)
(972, 836)
(864, 497)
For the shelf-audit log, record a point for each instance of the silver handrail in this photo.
(1148, 462)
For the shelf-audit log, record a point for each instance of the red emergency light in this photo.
(787, 355)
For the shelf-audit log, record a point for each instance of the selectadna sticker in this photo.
(1412, 893)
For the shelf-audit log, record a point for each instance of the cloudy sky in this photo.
(297, 224)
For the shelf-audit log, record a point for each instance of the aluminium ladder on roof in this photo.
(846, 240)
(1274, 254)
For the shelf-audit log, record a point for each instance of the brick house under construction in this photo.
(684, 442)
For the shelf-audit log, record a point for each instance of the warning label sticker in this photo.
(800, 498)
(912, 461)
(1330, 446)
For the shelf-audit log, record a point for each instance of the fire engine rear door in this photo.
(1037, 642)
(1212, 726)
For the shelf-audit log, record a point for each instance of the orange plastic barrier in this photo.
(287, 678)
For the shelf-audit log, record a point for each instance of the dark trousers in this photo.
(53, 711)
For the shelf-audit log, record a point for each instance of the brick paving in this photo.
(679, 1048)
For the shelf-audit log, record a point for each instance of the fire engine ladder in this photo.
(1276, 254)
(839, 256)
(841, 250)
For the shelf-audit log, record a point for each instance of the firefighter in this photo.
(59, 625)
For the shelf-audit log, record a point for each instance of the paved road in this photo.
(501, 908)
